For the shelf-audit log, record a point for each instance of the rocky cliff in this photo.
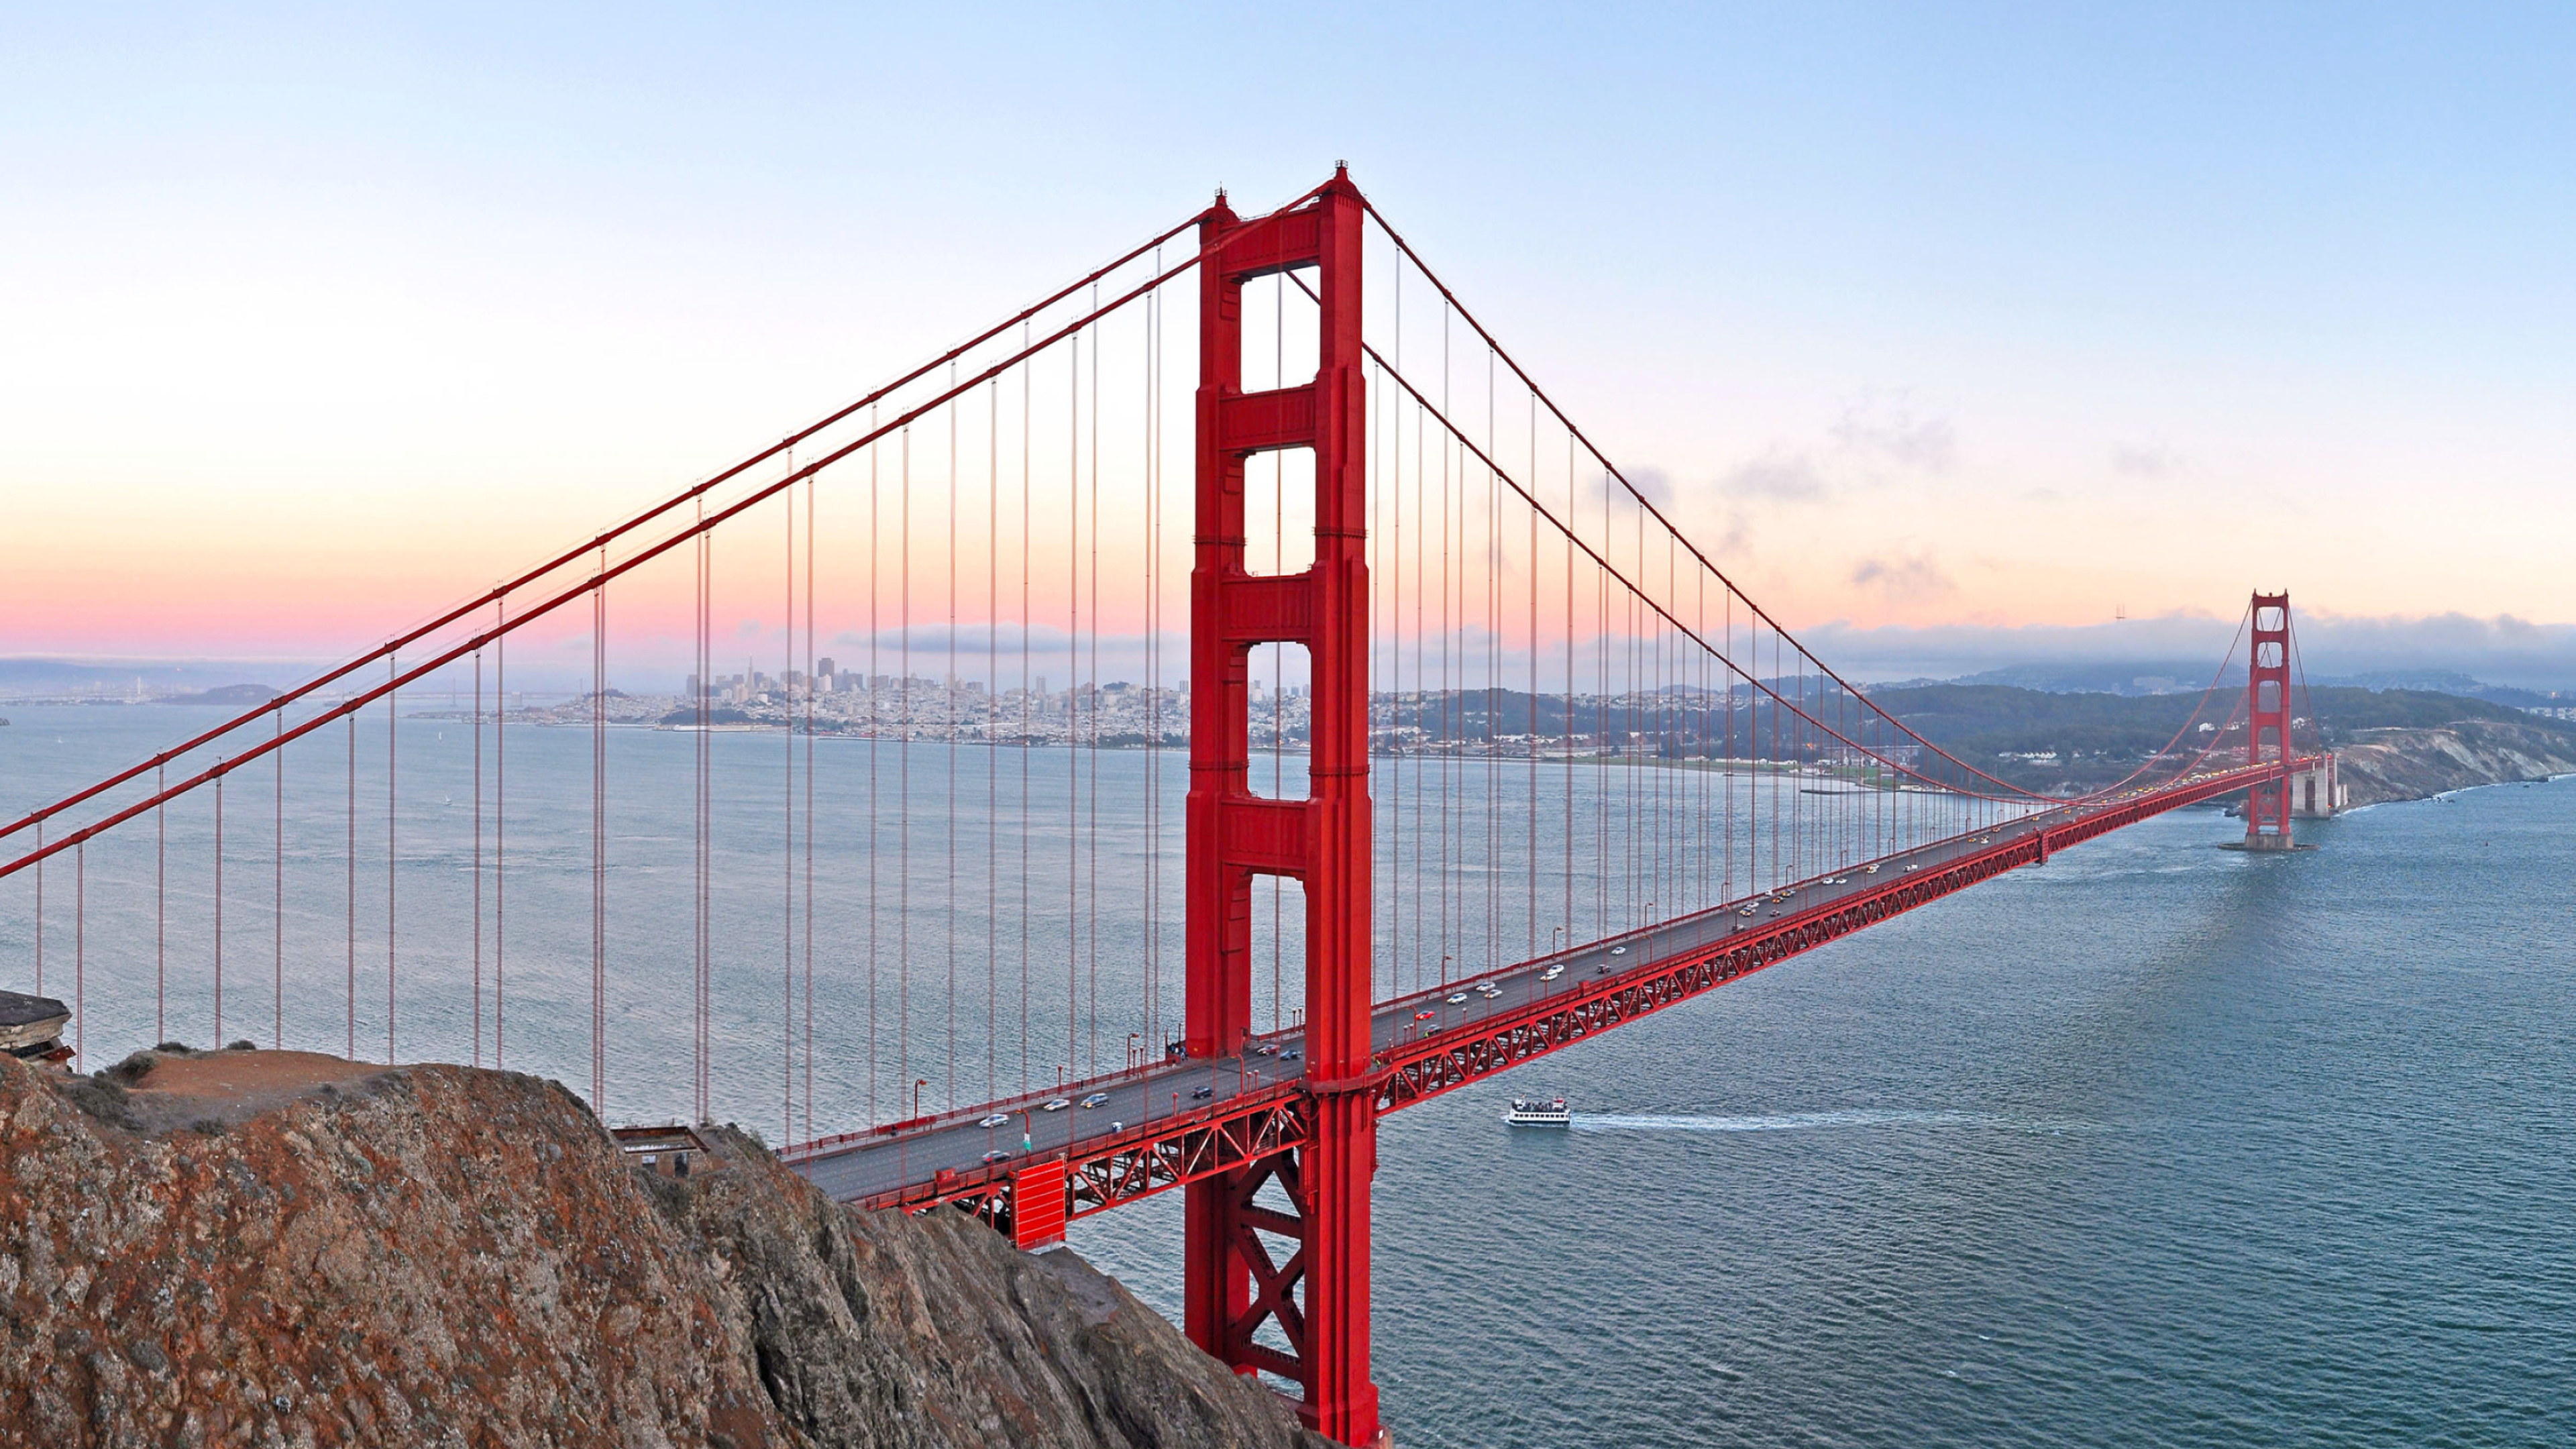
(2410, 764)
(283, 1249)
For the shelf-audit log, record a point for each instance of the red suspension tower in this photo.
(1233, 1285)
(2267, 730)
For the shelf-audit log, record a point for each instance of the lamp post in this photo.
(917, 1085)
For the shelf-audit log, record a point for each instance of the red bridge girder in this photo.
(1453, 1058)
(1233, 1135)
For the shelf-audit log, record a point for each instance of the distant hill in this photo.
(2121, 677)
(230, 696)
(2042, 739)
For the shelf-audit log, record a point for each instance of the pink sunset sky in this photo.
(1943, 337)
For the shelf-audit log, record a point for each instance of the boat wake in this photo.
(1800, 1121)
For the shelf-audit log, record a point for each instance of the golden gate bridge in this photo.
(1470, 746)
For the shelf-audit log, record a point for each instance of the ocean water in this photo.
(2159, 1144)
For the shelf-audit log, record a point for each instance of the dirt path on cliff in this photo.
(175, 1090)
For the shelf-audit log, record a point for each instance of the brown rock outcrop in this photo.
(437, 1255)
(2411, 764)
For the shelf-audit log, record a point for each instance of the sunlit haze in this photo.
(1950, 332)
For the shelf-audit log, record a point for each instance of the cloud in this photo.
(2146, 462)
(1654, 483)
(1906, 577)
(1776, 477)
(2499, 650)
(1892, 430)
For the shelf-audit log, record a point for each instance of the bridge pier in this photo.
(1317, 1301)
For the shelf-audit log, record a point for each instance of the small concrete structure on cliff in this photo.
(31, 1027)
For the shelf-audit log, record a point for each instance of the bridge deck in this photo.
(1170, 1122)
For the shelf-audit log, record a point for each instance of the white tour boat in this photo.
(1527, 1112)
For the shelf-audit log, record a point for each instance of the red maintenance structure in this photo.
(1561, 773)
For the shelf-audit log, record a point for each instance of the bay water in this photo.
(2157, 1144)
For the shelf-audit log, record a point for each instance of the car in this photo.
(996, 1155)
(998, 1119)
(1426, 1016)
(1096, 1099)
(1266, 1049)
(1602, 970)
(1748, 910)
(1618, 950)
(1551, 973)
(1201, 1094)
(1457, 998)
(1053, 1104)
(1870, 869)
(1914, 867)
(1290, 1055)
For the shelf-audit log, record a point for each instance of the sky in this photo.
(1953, 332)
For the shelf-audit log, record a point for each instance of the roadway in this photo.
(867, 1165)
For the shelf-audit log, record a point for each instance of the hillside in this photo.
(283, 1248)
(2410, 764)
(2099, 738)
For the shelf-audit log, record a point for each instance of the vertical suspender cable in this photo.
(809, 807)
(477, 1055)
(1153, 460)
(353, 886)
(219, 912)
(701, 995)
(80, 948)
(876, 746)
(1393, 473)
(1567, 854)
(1072, 705)
(1028, 703)
(160, 908)
(1448, 874)
(992, 763)
(1091, 699)
(787, 677)
(1278, 656)
(599, 837)
(1495, 701)
(954, 764)
(903, 770)
(500, 808)
(277, 900)
(393, 714)
(1422, 855)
